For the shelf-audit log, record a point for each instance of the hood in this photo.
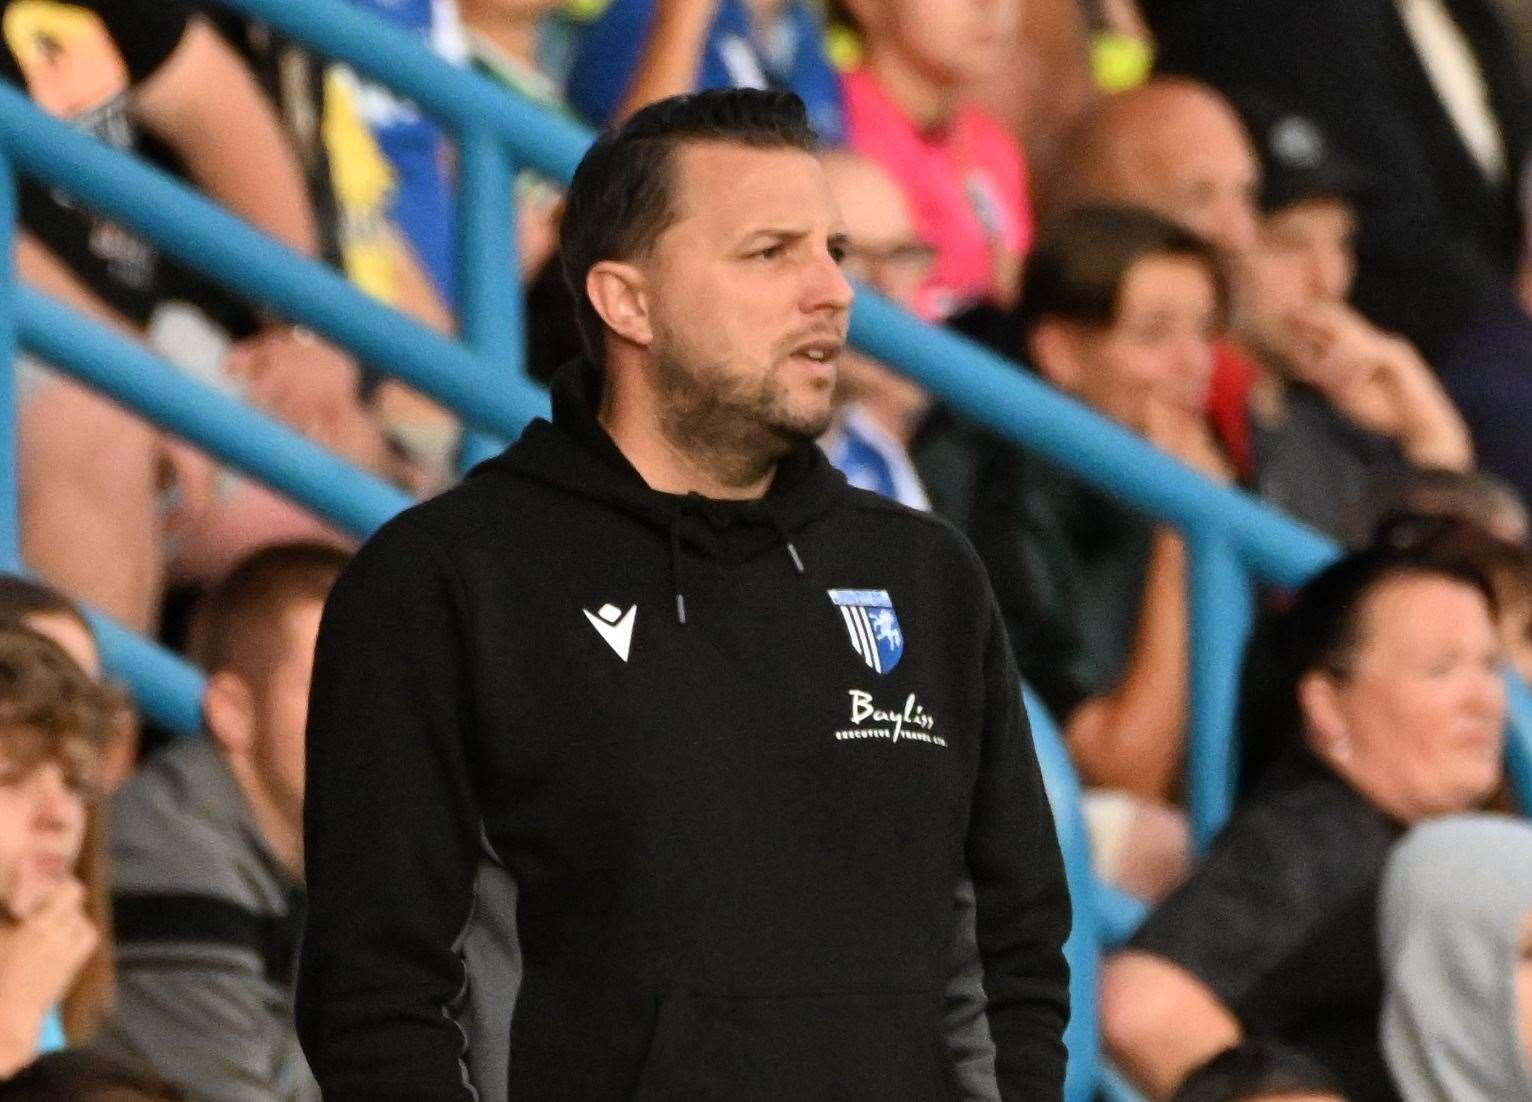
(573, 453)
(1454, 903)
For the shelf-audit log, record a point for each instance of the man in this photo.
(1427, 96)
(1339, 412)
(735, 729)
(208, 854)
(878, 409)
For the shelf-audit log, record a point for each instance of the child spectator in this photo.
(29, 604)
(207, 843)
(907, 108)
(55, 953)
(640, 51)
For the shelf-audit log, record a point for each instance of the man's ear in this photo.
(228, 708)
(1055, 353)
(619, 293)
(1319, 700)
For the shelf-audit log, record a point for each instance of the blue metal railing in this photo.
(1233, 540)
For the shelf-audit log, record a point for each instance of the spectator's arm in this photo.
(1132, 738)
(204, 103)
(1023, 910)
(1159, 1022)
(672, 53)
(391, 829)
(208, 1028)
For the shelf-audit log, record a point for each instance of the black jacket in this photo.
(736, 804)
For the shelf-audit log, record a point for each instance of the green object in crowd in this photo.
(1120, 61)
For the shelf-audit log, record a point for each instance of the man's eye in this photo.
(770, 252)
(838, 253)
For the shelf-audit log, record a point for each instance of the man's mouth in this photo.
(823, 351)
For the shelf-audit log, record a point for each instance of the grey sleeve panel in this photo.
(223, 1034)
(968, 1039)
(492, 958)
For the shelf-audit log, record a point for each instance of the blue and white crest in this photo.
(872, 625)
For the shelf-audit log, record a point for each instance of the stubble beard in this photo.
(737, 428)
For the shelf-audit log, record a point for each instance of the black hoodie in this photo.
(736, 755)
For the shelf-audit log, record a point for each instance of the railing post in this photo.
(1221, 612)
(10, 454)
(1083, 949)
(489, 273)
(1518, 750)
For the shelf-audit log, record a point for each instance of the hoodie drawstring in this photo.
(792, 552)
(675, 567)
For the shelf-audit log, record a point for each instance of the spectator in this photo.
(1443, 124)
(878, 409)
(207, 843)
(1456, 915)
(419, 157)
(55, 955)
(82, 1076)
(29, 604)
(640, 51)
(1259, 1072)
(1121, 309)
(503, 38)
(908, 107)
(1393, 668)
(1339, 412)
(90, 472)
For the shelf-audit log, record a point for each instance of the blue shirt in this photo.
(423, 206)
(733, 57)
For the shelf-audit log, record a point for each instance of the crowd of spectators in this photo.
(1284, 241)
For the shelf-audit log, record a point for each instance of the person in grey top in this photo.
(207, 848)
(1456, 924)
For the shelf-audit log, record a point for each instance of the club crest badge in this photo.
(872, 626)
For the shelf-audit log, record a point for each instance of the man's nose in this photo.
(829, 288)
(52, 795)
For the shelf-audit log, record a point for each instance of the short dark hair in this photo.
(235, 626)
(621, 198)
(1322, 628)
(1077, 271)
(1253, 1069)
(23, 597)
(79, 1075)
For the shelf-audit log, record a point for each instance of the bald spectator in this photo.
(1426, 95)
(879, 409)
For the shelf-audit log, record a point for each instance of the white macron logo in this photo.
(615, 626)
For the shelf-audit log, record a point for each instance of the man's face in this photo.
(1160, 348)
(952, 42)
(1199, 170)
(884, 252)
(281, 707)
(747, 302)
(1305, 255)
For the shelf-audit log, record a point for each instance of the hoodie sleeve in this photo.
(1023, 913)
(390, 830)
